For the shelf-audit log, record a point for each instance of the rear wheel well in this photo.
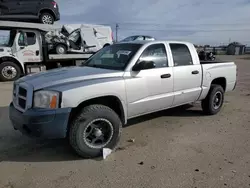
(5, 59)
(47, 11)
(112, 102)
(220, 81)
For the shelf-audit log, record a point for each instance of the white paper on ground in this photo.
(106, 152)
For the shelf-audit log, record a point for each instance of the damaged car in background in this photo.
(75, 38)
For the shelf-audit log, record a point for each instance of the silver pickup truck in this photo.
(90, 104)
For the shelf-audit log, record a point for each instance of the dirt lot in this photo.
(173, 148)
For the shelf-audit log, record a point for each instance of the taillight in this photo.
(54, 4)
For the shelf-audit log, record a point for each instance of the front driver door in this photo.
(27, 47)
(151, 89)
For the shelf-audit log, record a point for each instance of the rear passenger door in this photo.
(151, 89)
(187, 75)
(29, 7)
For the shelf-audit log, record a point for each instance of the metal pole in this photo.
(116, 32)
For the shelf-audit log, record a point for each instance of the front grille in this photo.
(20, 96)
(22, 92)
(22, 103)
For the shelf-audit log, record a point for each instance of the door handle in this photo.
(22, 47)
(165, 76)
(195, 72)
(37, 52)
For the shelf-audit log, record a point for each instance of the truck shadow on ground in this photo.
(19, 148)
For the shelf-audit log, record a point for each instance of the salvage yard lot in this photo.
(173, 148)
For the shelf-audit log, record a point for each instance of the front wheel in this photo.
(9, 71)
(95, 128)
(213, 103)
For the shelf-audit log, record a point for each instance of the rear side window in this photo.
(181, 55)
(31, 38)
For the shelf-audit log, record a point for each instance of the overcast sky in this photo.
(209, 21)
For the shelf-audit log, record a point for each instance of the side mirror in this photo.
(142, 65)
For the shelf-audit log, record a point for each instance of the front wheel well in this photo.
(220, 81)
(5, 59)
(107, 44)
(112, 102)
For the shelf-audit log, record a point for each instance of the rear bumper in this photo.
(49, 124)
(57, 16)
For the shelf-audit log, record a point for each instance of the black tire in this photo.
(9, 68)
(61, 49)
(80, 124)
(209, 104)
(46, 18)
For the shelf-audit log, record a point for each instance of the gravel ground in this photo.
(173, 148)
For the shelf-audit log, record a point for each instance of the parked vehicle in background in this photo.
(90, 104)
(206, 56)
(26, 47)
(43, 11)
(138, 37)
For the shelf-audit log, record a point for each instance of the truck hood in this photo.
(67, 75)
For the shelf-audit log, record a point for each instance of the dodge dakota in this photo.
(89, 104)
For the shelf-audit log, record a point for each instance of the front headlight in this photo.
(46, 99)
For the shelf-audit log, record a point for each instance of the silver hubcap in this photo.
(47, 19)
(9, 72)
(98, 133)
(217, 101)
(61, 50)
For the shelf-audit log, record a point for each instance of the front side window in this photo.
(157, 54)
(116, 56)
(21, 39)
(181, 55)
(140, 38)
(128, 39)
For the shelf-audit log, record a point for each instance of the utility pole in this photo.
(116, 32)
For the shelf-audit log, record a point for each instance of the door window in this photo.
(21, 39)
(181, 55)
(140, 38)
(157, 54)
(31, 38)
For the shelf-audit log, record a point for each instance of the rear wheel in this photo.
(61, 49)
(46, 18)
(9, 71)
(95, 128)
(213, 103)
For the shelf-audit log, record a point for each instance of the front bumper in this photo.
(49, 124)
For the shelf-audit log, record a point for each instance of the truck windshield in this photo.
(115, 57)
(7, 37)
